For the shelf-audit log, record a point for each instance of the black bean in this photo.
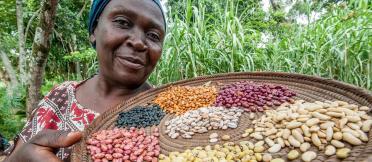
(140, 116)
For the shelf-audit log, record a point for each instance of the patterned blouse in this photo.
(59, 110)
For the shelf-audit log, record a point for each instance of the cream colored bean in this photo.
(293, 154)
(343, 122)
(321, 134)
(297, 135)
(302, 119)
(308, 156)
(326, 125)
(249, 130)
(337, 144)
(343, 153)
(305, 146)
(335, 114)
(315, 139)
(245, 135)
(322, 111)
(280, 141)
(336, 110)
(329, 134)
(353, 118)
(269, 142)
(306, 130)
(293, 124)
(366, 117)
(347, 111)
(314, 128)
(312, 121)
(320, 116)
(278, 160)
(258, 156)
(275, 148)
(257, 136)
(337, 136)
(270, 132)
(259, 143)
(266, 157)
(286, 133)
(259, 149)
(353, 126)
(330, 150)
(324, 141)
(293, 141)
(348, 137)
(349, 130)
(364, 108)
(362, 136)
(252, 116)
(367, 125)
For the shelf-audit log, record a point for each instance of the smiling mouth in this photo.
(131, 63)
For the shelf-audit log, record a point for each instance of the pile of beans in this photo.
(325, 125)
(140, 117)
(202, 120)
(243, 151)
(181, 99)
(252, 96)
(119, 145)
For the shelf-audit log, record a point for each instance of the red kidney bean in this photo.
(253, 97)
(108, 157)
(104, 148)
(132, 144)
(99, 156)
(118, 150)
(125, 157)
(117, 155)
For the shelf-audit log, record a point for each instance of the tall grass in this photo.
(208, 38)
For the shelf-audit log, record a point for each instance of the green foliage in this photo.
(207, 37)
(337, 46)
(8, 21)
(12, 111)
(89, 59)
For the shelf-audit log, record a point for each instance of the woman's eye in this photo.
(123, 23)
(154, 36)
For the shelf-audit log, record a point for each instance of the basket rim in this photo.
(315, 80)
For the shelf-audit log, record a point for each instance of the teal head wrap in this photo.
(97, 9)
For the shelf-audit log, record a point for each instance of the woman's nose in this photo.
(137, 41)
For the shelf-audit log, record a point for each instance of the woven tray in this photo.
(308, 88)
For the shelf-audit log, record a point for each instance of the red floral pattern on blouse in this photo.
(59, 110)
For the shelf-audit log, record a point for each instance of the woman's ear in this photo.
(92, 38)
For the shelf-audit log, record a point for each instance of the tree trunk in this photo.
(275, 7)
(40, 51)
(9, 69)
(21, 43)
(77, 63)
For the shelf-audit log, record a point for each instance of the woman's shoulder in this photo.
(62, 89)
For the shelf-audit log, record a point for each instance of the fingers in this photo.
(56, 138)
(47, 157)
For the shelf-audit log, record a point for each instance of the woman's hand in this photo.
(43, 146)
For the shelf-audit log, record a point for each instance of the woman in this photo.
(128, 36)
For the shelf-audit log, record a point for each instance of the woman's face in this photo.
(129, 38)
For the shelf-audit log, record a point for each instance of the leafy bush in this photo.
(12, 111)
(231, 36)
